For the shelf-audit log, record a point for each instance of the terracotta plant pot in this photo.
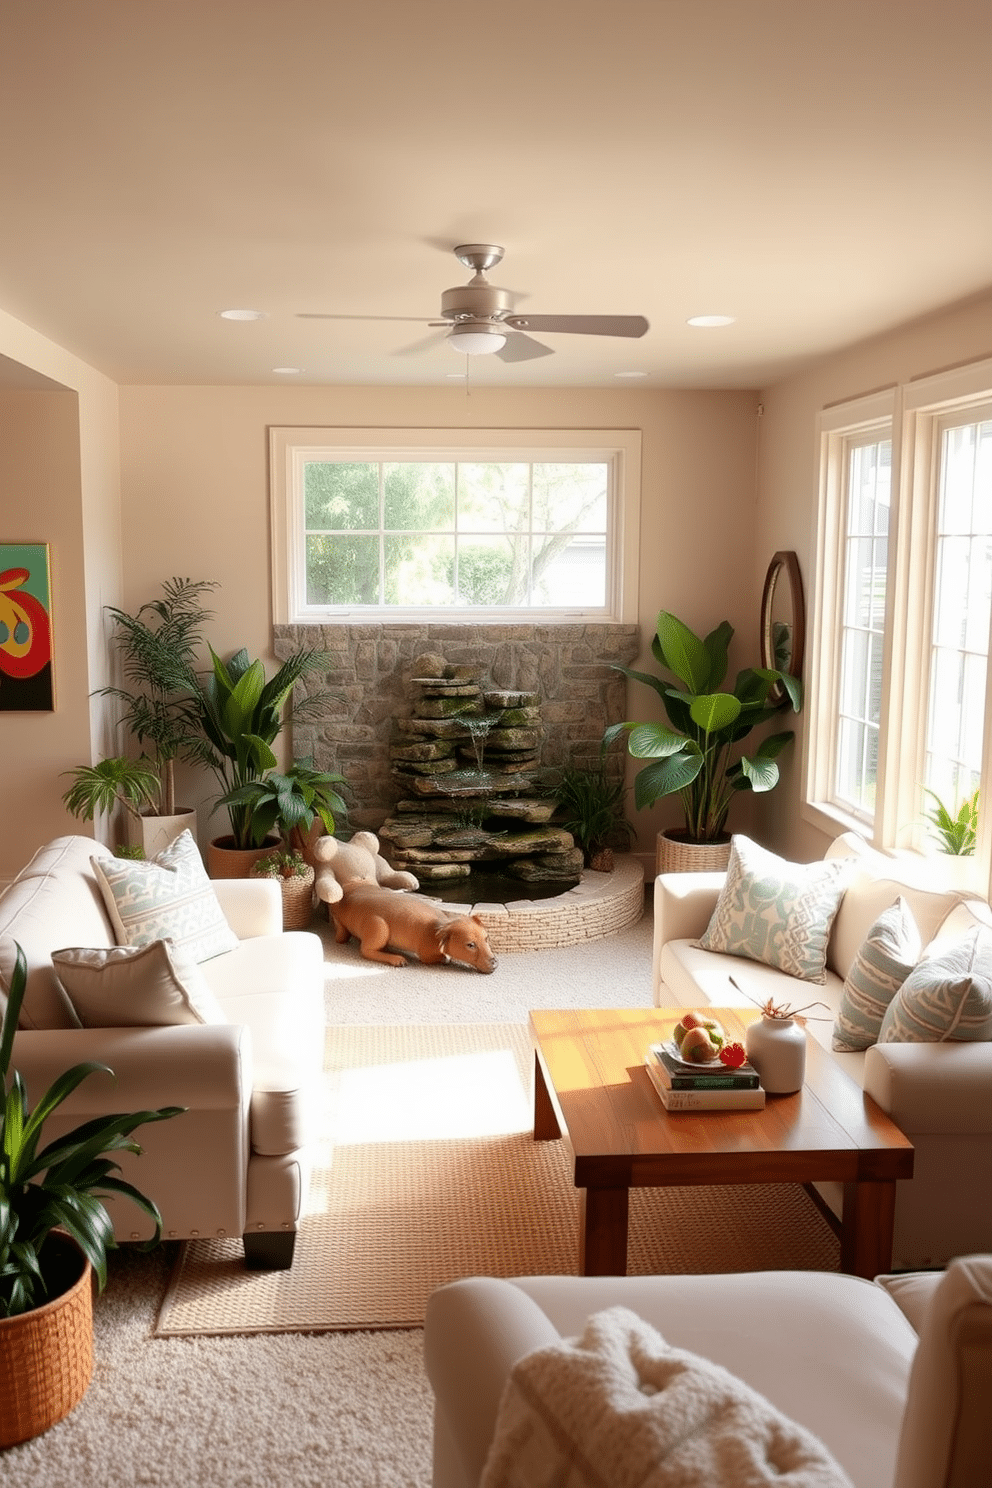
(46, 1355)
(224, 860)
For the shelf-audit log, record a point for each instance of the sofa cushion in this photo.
(148, 986)
(777, 912)
(945, 997)
(866, 897)
(53, 900)
(169, 897)
(885, 959)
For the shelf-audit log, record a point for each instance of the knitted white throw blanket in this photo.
(619, 1408)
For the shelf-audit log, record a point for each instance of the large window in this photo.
(487, 527)
(903, 609)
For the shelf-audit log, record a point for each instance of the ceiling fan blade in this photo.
(521, 348)
(426, 343)
(587, 325)
(320, 315)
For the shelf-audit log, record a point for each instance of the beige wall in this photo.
(788, 475)
(195, 483)
(59, 477)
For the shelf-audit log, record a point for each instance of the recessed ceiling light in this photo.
(630, 374)
(287, 371)
(241, 314)
(710, 320)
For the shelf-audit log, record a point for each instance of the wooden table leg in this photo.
(546, 1128)
(866, 1230)
(603, 1231)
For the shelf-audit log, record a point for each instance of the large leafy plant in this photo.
(288, 803)
(158, 648)
(62, 1185)
(241, 715)
(696, 755)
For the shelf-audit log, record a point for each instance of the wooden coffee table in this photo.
(590, 1085)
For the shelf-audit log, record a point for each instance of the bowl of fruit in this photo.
(699, 1039)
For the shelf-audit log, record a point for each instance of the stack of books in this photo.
(702, 1087)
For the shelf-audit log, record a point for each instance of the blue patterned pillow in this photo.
(777, 912)
(947, 997)
(884, 960)
(168, 897)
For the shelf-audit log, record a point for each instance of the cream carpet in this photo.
(428, 1172)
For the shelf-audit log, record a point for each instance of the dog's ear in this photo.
(442, 929)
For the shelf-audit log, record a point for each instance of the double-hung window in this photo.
(463, 524)
(899, 700)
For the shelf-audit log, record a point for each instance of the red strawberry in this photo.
(733, 1055)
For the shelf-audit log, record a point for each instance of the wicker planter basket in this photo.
(675, 855)
(297, 901)
(46, 1356)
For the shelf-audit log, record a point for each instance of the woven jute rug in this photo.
(427, 1171)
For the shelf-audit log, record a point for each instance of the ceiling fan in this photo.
(478, 317)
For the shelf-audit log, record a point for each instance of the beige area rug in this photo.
(428, 1172)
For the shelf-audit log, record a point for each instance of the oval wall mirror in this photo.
(783, 620)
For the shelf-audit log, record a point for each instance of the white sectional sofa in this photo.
(891, 1376)
(236, 1163)
(939, 1094)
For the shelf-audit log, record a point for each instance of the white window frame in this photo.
(290, 448)
(917, 412)
(838, 428)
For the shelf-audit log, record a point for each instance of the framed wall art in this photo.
(26, 681)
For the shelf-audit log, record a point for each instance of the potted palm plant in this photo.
(120, 781)
(54, 1235)
(158, 648)
(240, 715)
(697, 755)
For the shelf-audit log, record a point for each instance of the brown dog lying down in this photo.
(419, 927)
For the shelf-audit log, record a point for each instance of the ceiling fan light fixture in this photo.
(476, 338)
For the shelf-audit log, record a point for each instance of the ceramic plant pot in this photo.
(777, 1049)
(155, 833)
(224, 860)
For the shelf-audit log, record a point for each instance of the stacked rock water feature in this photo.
(468, 759)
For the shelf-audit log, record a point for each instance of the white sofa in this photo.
(891, 1376)
(938, 1094)
(235, 1163)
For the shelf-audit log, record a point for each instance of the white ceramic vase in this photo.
(777, 1049)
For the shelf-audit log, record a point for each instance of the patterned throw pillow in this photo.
(777, 912)
(169, 897)
(947, 997)
(887, 955)
(135, 986)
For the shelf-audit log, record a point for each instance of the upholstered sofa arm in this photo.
(191, 1065)
(934, 1088)
(683, 904)
(252, 906)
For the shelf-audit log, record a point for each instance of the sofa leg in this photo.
(269, 1250)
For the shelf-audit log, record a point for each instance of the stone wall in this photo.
(369, 673)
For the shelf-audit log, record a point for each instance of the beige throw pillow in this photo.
(149, 986)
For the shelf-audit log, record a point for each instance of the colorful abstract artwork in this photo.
(26, 684)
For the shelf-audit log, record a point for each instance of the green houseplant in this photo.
(158, 650)
(590, 805)
(955, 829)
(54, 1229)
(697, 755)
(119, 781)
(288, 803)
(240, 715)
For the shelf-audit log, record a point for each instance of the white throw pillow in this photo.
(945, 997)
(135, 986)
(888, 955)
(776, 912)
(169, 897)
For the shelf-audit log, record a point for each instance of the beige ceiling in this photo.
(817, 168)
